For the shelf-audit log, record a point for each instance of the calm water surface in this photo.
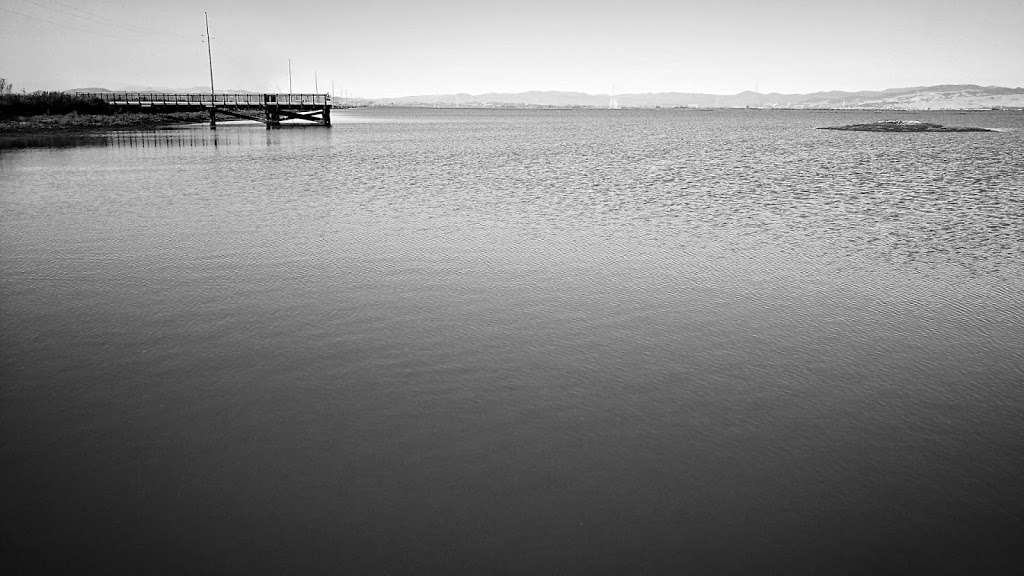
(516, 341)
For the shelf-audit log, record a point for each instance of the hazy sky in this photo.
(380, 48)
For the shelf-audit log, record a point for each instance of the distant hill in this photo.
(942, 97)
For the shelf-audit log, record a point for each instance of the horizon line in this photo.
(553, 91)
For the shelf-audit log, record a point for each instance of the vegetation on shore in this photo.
(74, 121)
(49, 103)
(60, 111)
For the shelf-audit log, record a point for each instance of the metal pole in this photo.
(209, 54)
(316, 84)
(289, 79)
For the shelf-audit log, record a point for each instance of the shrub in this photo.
(37, 103)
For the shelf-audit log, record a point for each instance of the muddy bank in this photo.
(904, 126)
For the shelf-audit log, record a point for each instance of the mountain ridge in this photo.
(942, 96)
(937, 97)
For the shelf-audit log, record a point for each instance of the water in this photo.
(516, 341)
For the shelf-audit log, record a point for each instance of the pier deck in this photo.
(269, 109)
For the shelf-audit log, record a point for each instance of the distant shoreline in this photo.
(688, 108)
(75, 123)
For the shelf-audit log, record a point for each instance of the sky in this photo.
(388, 48)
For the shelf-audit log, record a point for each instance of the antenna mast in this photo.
(209, 49)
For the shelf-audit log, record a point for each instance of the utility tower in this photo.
(209, 55)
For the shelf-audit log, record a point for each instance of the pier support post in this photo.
(327, 115)
(273, 117)
(213, 118)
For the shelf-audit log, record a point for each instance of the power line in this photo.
(64, 25)
(84, 17)
(110, 22)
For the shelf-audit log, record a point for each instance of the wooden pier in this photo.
(270, 109)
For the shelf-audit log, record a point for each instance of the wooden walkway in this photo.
(269, 109)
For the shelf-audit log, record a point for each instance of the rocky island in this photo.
(904, 126)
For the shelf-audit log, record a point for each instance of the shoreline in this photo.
(58, 124)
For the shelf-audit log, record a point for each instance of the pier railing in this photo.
(200, 99)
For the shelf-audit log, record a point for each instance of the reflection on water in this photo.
(230, 134)
(11, 141)
(577, 341)
(175, 139)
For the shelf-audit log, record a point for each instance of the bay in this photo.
(516, 341)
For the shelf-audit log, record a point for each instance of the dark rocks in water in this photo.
(904, 126)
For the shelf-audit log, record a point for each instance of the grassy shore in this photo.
(57, 112)
(50, 123)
